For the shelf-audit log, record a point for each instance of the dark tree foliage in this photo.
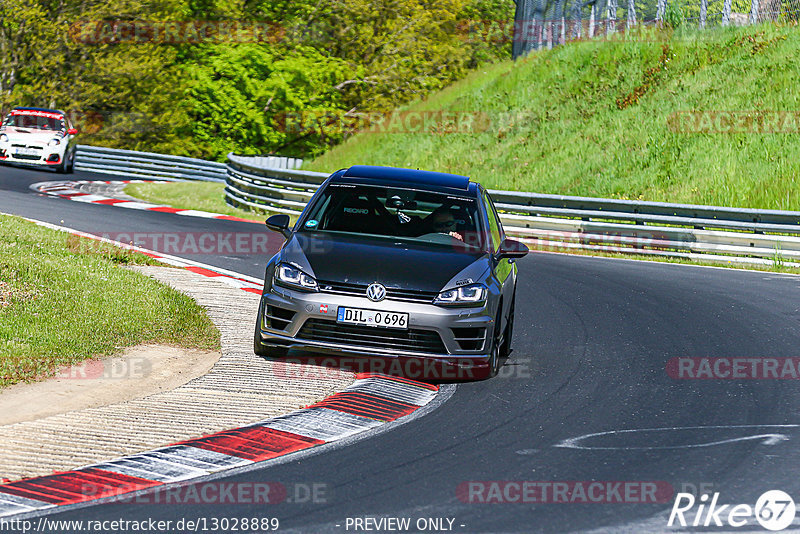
(313, 66)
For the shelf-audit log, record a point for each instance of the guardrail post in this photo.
(703, 13)
(660, 10)
(726, 13)
(753, 11)
(612, 17)
(631, 14)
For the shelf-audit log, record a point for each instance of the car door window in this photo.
(495, 230)
(497, 219)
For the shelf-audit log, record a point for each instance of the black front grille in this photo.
(392, 293)
(26, 156)
(413, 340)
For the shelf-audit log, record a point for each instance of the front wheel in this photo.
(71, 163)
(495, 352)
(61, 168)
(505, 349)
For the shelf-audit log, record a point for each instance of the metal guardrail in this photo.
(252, 185)
(564, 222)
(147, 165)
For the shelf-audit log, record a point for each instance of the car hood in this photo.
(32, 136)
(395, 264)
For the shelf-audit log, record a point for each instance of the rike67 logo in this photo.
(774, 510)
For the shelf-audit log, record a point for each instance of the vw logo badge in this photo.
(376, 292)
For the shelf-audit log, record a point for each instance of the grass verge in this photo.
(64, 300)
(202, 196)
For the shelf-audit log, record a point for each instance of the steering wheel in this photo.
(437, 237)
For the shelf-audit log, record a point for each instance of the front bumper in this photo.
(46, 157)
(440, 342)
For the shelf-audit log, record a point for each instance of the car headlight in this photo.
(3, 138)
(465, 295)
(294, 277)
(54, 142)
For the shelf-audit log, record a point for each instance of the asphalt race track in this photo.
(592, 342)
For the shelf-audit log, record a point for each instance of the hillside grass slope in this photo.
(598, 118)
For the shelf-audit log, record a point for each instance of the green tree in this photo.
(327, 62)
(240, 97)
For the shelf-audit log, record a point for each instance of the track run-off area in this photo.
(614, 400)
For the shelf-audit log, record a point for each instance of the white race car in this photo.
(38, 136)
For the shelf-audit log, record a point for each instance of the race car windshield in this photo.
(419, 216)
(34, 122)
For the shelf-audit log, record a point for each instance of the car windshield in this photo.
(34, 122)
(419, 216)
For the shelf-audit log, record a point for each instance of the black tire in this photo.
(505, 349)
(495, 357)
(71, 164)
(258, 348)
(61, 168)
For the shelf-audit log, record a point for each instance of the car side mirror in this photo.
(72, 131)
(279, 223)
(511, 249)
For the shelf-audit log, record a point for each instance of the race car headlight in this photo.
(3, 138)
(293, 277)
(54, 142)
(473, 294)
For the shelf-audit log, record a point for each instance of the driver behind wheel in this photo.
(444, 223)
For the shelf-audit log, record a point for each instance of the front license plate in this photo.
(372, 318)
(26, 152)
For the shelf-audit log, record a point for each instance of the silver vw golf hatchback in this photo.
(406, 266)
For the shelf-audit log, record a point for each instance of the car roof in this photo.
(392, 176)
(48, 110)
